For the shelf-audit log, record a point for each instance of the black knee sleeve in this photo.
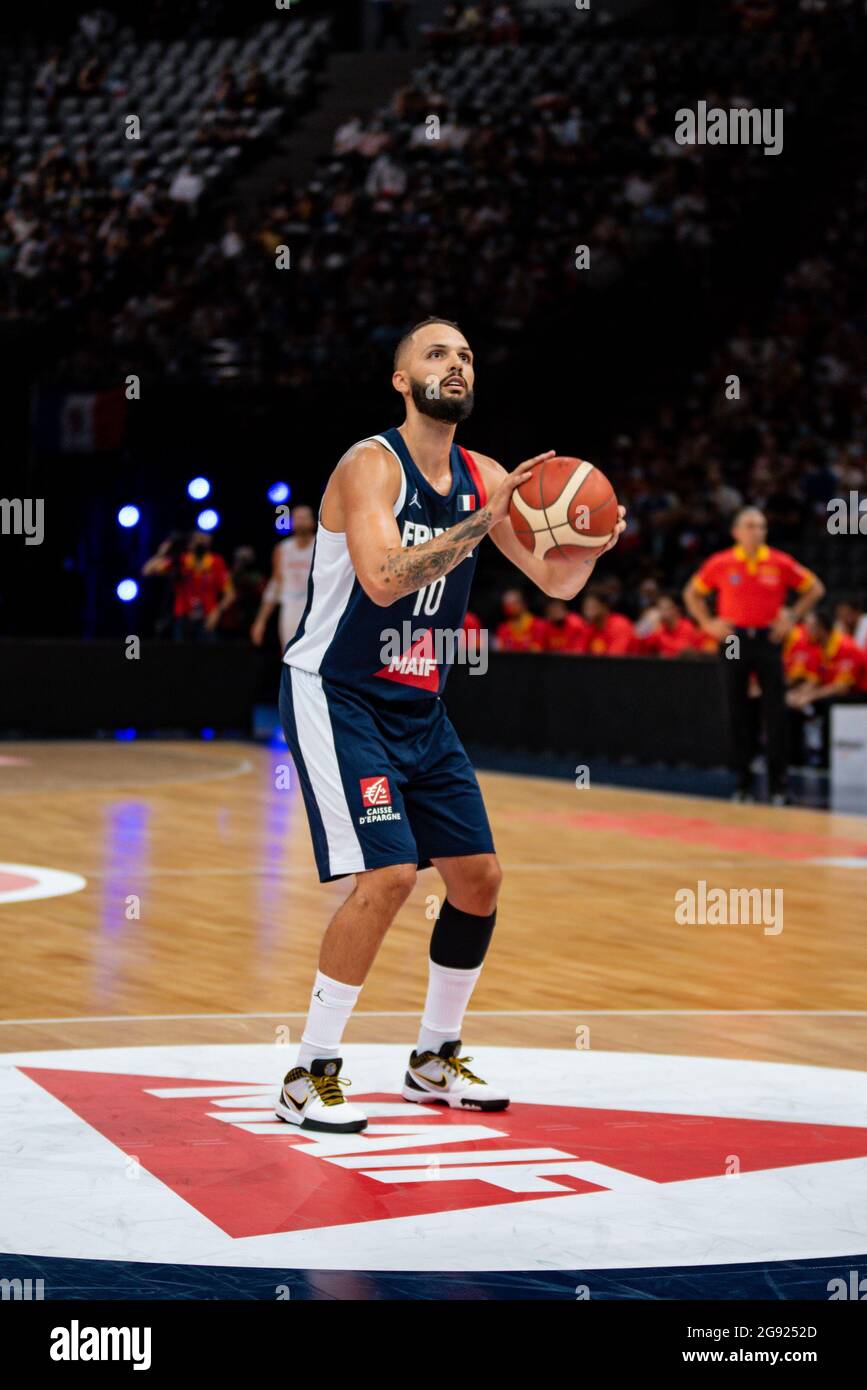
(460, 940)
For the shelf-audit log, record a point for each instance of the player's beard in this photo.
(450, 409)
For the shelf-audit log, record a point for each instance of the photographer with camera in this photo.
(199, 580)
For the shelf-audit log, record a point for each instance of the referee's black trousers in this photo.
(759, 654)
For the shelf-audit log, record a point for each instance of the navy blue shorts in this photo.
(383, 783)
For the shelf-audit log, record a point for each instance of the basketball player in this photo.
(290, 570)
(387, 786)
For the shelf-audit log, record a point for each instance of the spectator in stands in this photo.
(91, 76)
(255, 89)
(470, 21)
(50, 81)
(347, 136)
(673, 634)
(186, 187)
(96, 24)
(564, 631)
(231, 242)
(611, 634)
(386, 182)
(520, 630)
(227, 96)
(504, 26)
(722, 496)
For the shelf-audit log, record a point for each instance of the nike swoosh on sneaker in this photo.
(294, 1102)
(442, 1083)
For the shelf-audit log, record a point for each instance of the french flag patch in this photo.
(466, 501)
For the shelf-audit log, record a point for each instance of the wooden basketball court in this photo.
(162, 916)
(201, 914)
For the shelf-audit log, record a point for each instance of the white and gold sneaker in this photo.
(313, 1099)
(444, 1078)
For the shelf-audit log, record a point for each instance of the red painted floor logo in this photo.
(219, 1147)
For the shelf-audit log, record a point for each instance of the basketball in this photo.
(567, 510)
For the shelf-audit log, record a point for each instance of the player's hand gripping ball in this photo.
(566, 510)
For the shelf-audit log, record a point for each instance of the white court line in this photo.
(471, 1013)
(239, 769)
(640, 865)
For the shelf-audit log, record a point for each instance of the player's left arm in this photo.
(556, 578)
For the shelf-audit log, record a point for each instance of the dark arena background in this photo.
(647, 219)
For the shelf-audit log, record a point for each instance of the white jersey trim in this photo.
(333, 577)
(401, 496)
(316, 741)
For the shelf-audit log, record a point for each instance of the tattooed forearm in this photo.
(413, 566)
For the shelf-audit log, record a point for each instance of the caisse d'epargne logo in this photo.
(376, 799)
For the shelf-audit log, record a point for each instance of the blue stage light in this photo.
(279, 492)
(199, 488)
(127, 590)
(128, 516)
(208, 519)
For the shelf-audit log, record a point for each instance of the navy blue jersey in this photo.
(402, 652)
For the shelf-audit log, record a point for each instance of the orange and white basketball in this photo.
(566, 510)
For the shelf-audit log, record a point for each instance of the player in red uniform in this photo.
(611, 634)
(802, 653)
(842, 670)
(521, 630)
(565, 631)
(673, 634)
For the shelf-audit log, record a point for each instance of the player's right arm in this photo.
(366, 485)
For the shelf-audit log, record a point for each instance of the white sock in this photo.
(330, 1006)
(448, 994)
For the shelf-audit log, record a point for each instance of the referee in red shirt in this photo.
(752, 582)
